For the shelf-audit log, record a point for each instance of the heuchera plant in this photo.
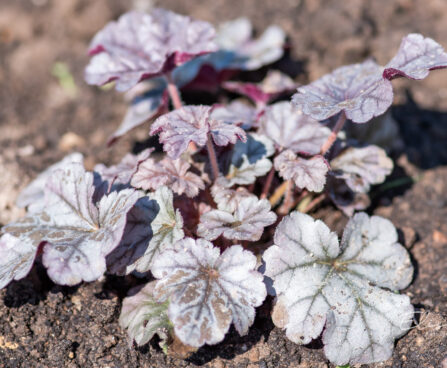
(235, 177)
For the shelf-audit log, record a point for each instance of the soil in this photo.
(44, 325)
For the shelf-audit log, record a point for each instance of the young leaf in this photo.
(125, 170)
(362, 167)
(143, 316)
(147, 100)
(236, 112)
(78, 233)
(228, 199)
(417, 55)
(246, 223)
(306, 173)
(319, 283)
(249, 160)
(152, 225)
(139, 46)
(34, 192)
(359, 90)
(16, 258)
(193, 124)
(274, 85)
(173, 173)
(207, 291)
(291, 129)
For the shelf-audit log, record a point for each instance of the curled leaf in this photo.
(362, 167)
(208, 290)
(291, 129)
(193, 124)
(246, 223)
(173, 173)
(306, 173)
(417, 55)
(143, 316)
(78, 233)
(320, 283)
(139, 46)
(152, 225)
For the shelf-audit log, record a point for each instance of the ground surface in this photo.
(42, 325)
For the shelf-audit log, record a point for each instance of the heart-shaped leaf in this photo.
(173, 173)
(78, 233)
(362, 167)
(140, 46)
(306, 173)
(319, 284)
(247, 222)
(208, 290)
(152, 225)
(291, 129)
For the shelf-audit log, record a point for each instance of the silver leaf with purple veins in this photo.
(78, 233)
(247, 222)
(193, 124)
(362, 167)
(416, 57)
(173, 173)
(306, 173)
(139, 46)
(291, 129)
(359, 90)
(208, 290)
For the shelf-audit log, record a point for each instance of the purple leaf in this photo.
(152, 225)
(345, 198)
(306, 173)
(208, 290)
(78, 233)
(125, 170)
(246, 223)
(16, 258)
(33, 194)
(416, 57)
(274, 85)
(173, 173)
(140, 46)
(236, 112)
(193, 124)
(358, 90)
(362, 167)
(147, 100)
(291, 129)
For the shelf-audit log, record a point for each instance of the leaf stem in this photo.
(288, 200)
(315, 202)
(333, 136)
(279, 192)
(212, 157)
(174, 93)
(268, 183)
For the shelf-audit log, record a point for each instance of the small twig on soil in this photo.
(333, 136)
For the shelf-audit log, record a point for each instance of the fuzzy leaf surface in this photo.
(78, 233)
(320, 283)
(172, 173)
(246, 223)
(306, 173)
(291, 129)
(417, 55)
(16, 258)
(359, 90)
(34, 192)
(123, 172)
(143, 316)
(139, 46)
(208, 290)
(362, 167)
(193, 124)
(152, 225)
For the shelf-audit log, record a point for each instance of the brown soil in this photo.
(43, 325)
